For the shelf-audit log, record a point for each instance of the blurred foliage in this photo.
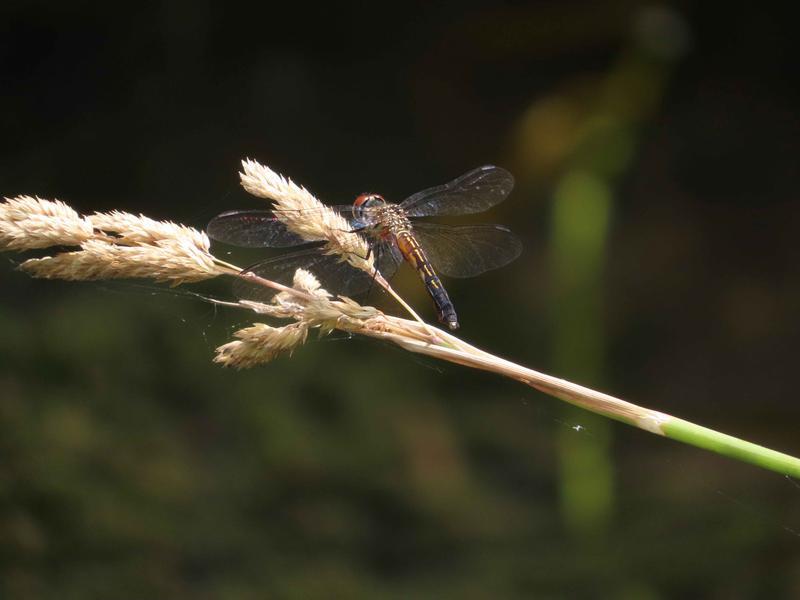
(598, 154)
(130, 466)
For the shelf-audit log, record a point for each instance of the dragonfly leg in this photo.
(369, 253)
(359, 229)
(371, 283)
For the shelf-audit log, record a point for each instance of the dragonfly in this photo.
(394, 234)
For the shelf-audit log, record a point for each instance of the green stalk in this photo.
(727, 445)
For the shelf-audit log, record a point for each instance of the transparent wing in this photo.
(468, 250)
(334, 274)
(252, 229)
(387, 258)
(263, 228)
(473, 192)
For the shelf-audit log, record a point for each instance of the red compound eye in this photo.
(367, 199)
(360, 200)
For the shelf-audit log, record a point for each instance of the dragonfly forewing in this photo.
(473, 192)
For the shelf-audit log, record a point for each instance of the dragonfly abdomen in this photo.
(415, 255)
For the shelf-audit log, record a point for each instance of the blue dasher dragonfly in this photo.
(394, 235)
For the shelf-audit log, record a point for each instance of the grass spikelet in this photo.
(131, 229)
(175, 262)
(29, 223)
(112, 245)
(306, 216)
(260, 344)
(305, 281)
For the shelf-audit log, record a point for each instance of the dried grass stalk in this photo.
(119, 244)
(325, 314)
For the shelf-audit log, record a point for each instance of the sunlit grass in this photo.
(121, 245)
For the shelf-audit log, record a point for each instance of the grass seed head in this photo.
(260, 344)
(176, 262)
(29, 223)
(112, 245)
(131, 229)
(306, 216)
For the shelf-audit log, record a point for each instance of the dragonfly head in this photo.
(364, 202)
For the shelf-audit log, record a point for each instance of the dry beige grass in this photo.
(306, 216)
(123, 245)
(29, 223)
(110, 245)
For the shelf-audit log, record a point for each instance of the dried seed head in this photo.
(27, 223)
(175, 261)
(131, 229)
(306, 216)
(313, 308)
(260, 344)
(113, 245)
(303, 281)
(306, 282)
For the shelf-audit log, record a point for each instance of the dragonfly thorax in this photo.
(380, 217)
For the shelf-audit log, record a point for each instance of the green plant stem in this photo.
(727, 445)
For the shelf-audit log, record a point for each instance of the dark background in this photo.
(655, 149)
